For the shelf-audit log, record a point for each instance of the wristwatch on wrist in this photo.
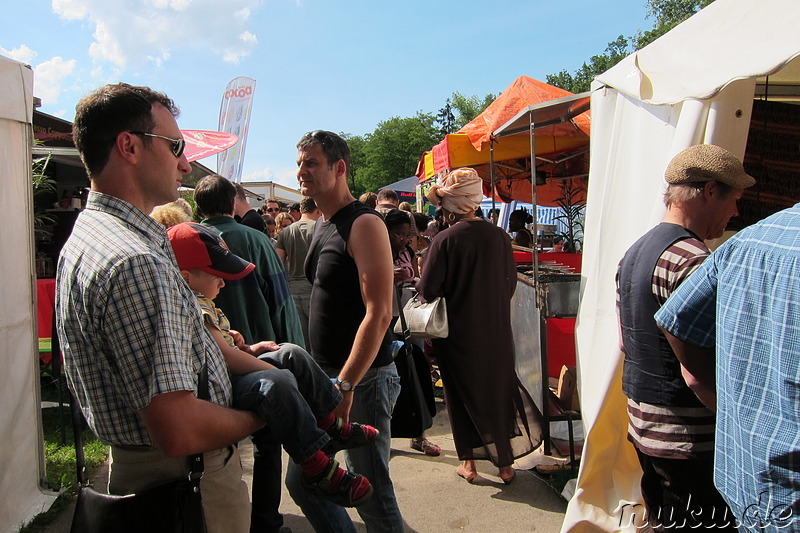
(344, 386)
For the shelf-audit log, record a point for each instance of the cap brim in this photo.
(232, 267)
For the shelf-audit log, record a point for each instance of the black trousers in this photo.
(680, 494)
(266, 494)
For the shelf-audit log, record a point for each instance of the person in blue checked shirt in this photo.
(735, 327)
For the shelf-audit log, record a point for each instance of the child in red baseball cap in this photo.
(283, 376)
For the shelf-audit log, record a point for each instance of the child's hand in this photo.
(238, 340)
(261, 347)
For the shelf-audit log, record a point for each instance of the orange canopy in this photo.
(555, 146)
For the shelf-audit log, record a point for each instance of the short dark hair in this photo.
(102, 115)
(387, 194)
(214, 196)
(308, 205)
(521, 215)
(240, 192)
(421, 220)
(294, 207)
(396, 218)
(370, 199)
(333, 146)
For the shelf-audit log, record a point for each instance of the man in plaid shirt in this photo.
(132, 331)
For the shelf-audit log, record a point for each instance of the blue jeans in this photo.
(289, 399)
(374, 399)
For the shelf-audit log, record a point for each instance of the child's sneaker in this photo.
(347, 436)
(340, 486)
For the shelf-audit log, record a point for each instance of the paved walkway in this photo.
(433, 499)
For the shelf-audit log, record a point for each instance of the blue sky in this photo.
(337, 65)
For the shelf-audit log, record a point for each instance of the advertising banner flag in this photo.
(201, 143)
(234, 117)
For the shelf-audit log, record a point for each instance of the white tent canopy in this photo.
(696, 84)
(21, 460)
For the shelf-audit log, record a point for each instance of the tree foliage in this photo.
(469, 107)
(459, 110)
(667, 15)
(446, 120)
(392, 151)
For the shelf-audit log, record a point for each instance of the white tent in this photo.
(21, 458)
(696, 84)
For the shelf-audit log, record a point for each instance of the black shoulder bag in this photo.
(413, 412)
(174, 507)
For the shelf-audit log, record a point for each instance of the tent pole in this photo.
(491, 172)
(542, 311)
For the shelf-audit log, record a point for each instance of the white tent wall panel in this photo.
(632, 143)
(21, 459)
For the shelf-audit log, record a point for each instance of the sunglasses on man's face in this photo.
(178, 145)
(273, 210)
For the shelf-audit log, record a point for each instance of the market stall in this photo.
(696, 84)
(475, 145)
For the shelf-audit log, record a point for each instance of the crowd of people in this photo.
(289, 313)
(291, 325)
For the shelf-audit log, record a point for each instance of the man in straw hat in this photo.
(671, 429)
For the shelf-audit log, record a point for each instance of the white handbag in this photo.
(424, 320)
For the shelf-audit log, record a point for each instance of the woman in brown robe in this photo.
(471, 265)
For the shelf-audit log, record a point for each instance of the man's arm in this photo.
(369, 246)
(698, 367)
(181, 424)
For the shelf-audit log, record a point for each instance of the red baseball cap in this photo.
(198, 246)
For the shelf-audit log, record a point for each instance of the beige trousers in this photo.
(226, 502)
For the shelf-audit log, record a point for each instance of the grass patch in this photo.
(59, 452)
(59, 442)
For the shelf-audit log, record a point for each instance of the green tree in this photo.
(582, 79)
(667, 15)
(469, 107)
(446, 120)
(358, 158)
(392, 151)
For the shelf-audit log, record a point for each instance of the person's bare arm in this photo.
(239, 362)
(369, 246)
(698, 367)
(282, 254)
(181, 424)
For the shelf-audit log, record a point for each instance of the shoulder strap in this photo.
(406, 331)
(196, 464)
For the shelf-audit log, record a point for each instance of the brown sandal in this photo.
(425, 446)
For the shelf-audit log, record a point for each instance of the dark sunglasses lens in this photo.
(178, 145)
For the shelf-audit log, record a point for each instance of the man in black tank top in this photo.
(349, 265)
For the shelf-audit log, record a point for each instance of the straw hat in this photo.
(706, 162)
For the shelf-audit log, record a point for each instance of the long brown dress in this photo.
(491, 414)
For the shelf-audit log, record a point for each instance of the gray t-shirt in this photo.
(294, 240)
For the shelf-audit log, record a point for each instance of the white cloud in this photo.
(265, 174)
(138, 34)
(49, 78)
(282, 176)
(22, 53)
